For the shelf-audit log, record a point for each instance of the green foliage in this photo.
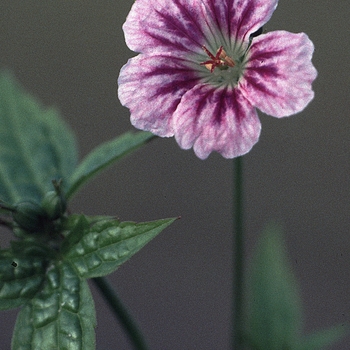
(274, 319)
(21, 276)
(322, 339)
(106, 154)
(28, 215)
(58, 310)
(60, 316)
(109, 243)
(45, 271)
(36, 146)
(54, 204)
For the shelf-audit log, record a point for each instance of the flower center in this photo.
(220, 60)
(224, 68)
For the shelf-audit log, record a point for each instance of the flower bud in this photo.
(54, 205)
(29, 216)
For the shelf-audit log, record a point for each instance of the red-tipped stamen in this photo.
(219, 60)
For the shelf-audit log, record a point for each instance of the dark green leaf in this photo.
(31, 247)
(106, 154)
(322, 339)
(35, 145)
(274, 318)
(75, 227)
(61, 316)
(20, 278)
(110, 243)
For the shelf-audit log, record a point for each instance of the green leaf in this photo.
(322, 339)
(20, 278)
(61, 316)
(31, 247)
(36, 146)
(110, 243)
(106, 154)
(75, 227)
(274, 317)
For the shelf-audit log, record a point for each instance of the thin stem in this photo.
(121, 313)
(238, 249)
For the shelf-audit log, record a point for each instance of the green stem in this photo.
(121, 313)
(238, 249)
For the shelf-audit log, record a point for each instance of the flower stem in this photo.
(121, 313)
(238, 249)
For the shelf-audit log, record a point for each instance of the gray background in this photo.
(68, 54)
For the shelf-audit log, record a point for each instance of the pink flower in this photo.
(201, 73)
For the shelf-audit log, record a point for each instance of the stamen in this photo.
(228, 60)
(220, 60)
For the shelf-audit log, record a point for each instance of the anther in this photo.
(220, 60)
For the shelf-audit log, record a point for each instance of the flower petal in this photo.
(279, 73)
(238, 19)
(151, 86)
(181, 26)
(212, 119)
(164, 26)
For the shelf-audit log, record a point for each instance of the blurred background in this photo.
(178, 288)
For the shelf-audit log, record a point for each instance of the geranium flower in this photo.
(202, 71)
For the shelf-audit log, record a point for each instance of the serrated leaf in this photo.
(75, 227)
(320, 340)
(35, 145)
(61, 316)
(20, 278)
(110, 243)
(274, 317)
(104, 155)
